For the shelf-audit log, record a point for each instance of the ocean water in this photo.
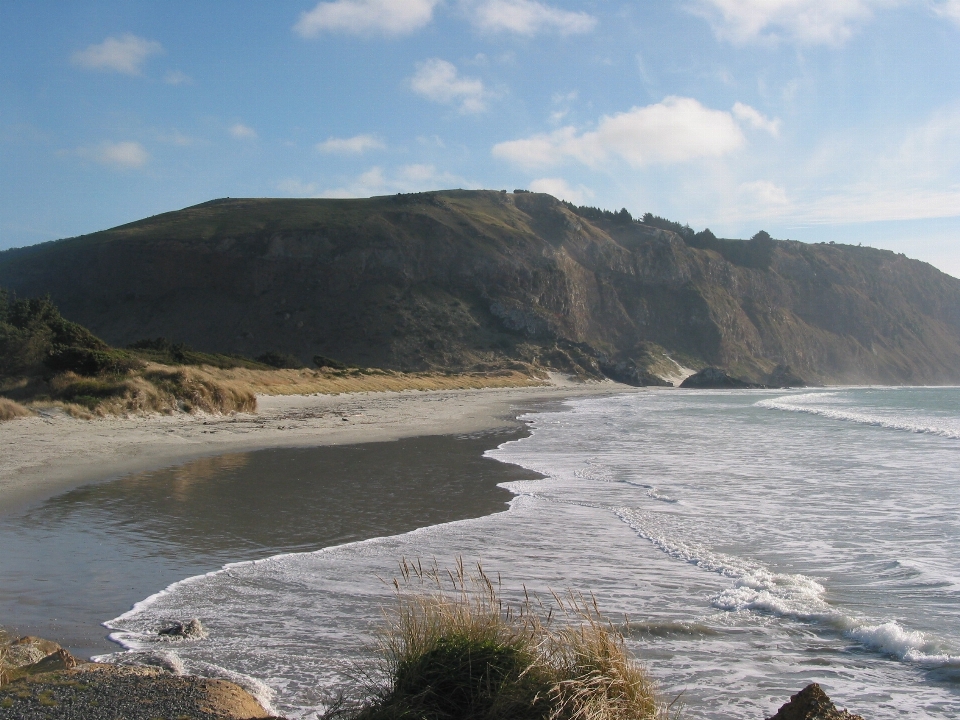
(751, 542)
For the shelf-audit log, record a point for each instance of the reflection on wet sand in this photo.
(87, 555)
(180, 480)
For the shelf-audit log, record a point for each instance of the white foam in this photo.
(293, 620)
(264, 694)
(941, 427)
(756, 587)
(795, 596)
(891, 638)
(176, 665)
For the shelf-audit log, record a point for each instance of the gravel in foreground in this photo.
(124, 693)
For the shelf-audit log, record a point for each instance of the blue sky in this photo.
(815, 120)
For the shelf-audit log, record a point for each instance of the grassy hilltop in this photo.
(476, 280)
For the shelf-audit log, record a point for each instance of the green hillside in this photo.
(459, 280)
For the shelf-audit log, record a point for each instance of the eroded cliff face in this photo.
(451, 279)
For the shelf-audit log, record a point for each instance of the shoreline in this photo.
(44, 456)
(411, 447)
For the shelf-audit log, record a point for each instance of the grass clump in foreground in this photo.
(10, 409)
(452, 650)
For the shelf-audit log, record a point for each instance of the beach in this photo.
(98, 514)
(52, 453)
(746, 542)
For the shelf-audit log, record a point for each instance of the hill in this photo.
(459, 280)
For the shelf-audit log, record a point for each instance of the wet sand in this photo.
(97, 515)
(87, 555)
(43, 456)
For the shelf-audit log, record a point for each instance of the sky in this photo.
(815, 120)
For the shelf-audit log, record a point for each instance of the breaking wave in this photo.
(820, 404)
(758, 589)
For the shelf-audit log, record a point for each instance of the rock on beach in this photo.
(40, 680)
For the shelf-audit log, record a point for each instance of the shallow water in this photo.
(90, 554)
(756, 540)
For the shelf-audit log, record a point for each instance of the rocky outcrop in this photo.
(812, 703)
(628, 373)
(39, 679)
(95, 690)
(190, 630)
(712, 378)
(783, 376)
(454, 279)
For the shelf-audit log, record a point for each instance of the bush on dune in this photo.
(163, 391)
(35, 338)
(191, 391)
(87, 361)
(10, 410)
(461, 654)
(46, 358)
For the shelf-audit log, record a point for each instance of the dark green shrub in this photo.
(85, 361)
(163, 347)
(280, 360)
(32, 329)
(88, 392)
(465, 678)
(322, 361)
(167, 352)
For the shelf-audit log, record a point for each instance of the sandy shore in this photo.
(43, 456)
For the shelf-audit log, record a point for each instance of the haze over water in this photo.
(756, 540)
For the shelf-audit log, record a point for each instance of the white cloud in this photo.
(875, 205)
(366, 17)
(528, 17)
(175, 77)
(756, 119)
(124, 54)
(438, 80)
(915, 176)
(851, 178)
(294, 187)
(418, 173)
(764, 193)
(931, 150)
(434, 141)
(408, 178)
(806, 21)
(559, 188)
(242, 132)
(176, 138)
(123, 155)
(563, 100)
(373, 178)
(351, 146)
(949, 9)
(675, 130)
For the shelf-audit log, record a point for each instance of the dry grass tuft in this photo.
(170, 389)
(192, 390)
(10, 410)
(599, 681)
(328, 381)
(160, 390)
(452, 650)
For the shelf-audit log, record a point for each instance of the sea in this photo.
(746, 543)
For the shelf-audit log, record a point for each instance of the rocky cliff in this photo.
(457, 279)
